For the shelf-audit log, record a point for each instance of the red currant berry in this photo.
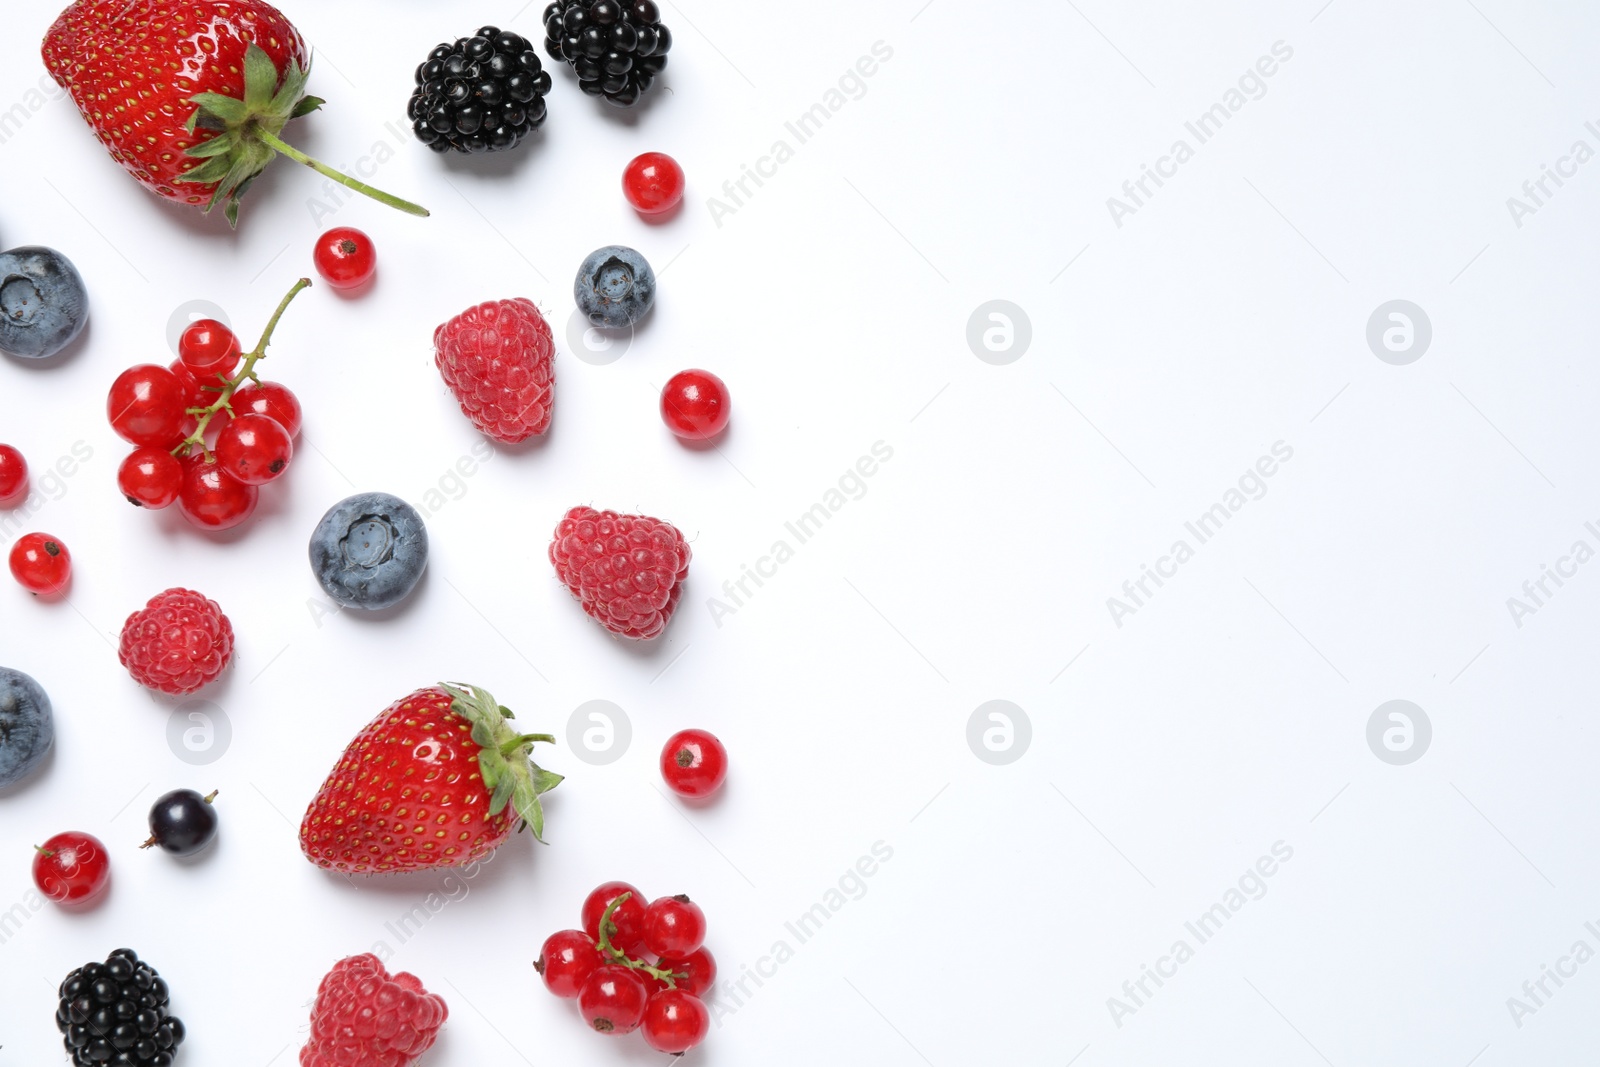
(41, 564)
(13, 474)
(272, 400)
(150, 477)
(71, 868)
(211, 499)
(612, 1000)
(653, 183)
(695, 973)
(567, 960)
(673, 926)
(694, 763)
(628, 918)
(254, 449)
(345, 257)
(208, 348)
(695, 405)
(675, 1021)
(146, 405)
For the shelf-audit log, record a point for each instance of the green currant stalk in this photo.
(613, 954)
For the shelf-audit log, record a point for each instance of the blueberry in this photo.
(615, 287)
(369, 550)
(27, 729)
(43, 304)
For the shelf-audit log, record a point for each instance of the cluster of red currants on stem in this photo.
(607, 967)
(208, 433)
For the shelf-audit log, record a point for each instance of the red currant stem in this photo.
(46, 853)
(231, 385)
(343, 179)
(613, 954)
(510, 747)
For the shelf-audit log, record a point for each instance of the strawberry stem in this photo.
(284, 148)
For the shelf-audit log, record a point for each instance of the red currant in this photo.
(13, 474)
(653, 183)
(695, 405)
(71, 868)
(345, 257)
(695, 973)
(694, 763)
(567, 960)
(212, 499)
(272, 400)
(675, 1021)
(146, 405)
(41, 564)
(673, 926)
(612, 1001)
(254, 449)
(150, 477)
(209, 348)
(628, 918)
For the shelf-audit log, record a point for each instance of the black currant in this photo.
(182, 822)
(464, 91)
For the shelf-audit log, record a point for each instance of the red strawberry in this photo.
(627, 570)
(498, 359)
(439, 779)
(189, 95)
(365, 1018)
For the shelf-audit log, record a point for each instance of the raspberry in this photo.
(363, 1017)
(626, 570)
(179, 642)
(498, 359)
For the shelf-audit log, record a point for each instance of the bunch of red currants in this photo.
(606, 967)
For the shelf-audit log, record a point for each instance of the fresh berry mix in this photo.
(653, 184)
(616, 47)
(208, 348)
(626, 570)
(345, 258)
(43, 304)
(27, 727)
(695, 405)
(182, 822)
(615, 287)
(484, 93)
(499, 361)
(41, 564)
(177, 643)
(439, 779)
(365, 1017)
(116, 1013)
(369, 551)
(217, 82)
(13, 475)
(72, 868)
(694, 763)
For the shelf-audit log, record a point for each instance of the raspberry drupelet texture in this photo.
(364, 1017)
(626, 570)
(177, 643)
(499, 361)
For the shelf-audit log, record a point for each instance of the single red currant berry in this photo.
(694, 763)
(628, 918)
(567, 960)
(254, 449)
(274, 401)
(71, 868)
(345, 257)
(208, 348)
(13, 474)
(695, 405)
(612, 1000)
(146, 405)
(675, 1021)
(673, 926)
(695, 973)
(653, 183)
(211, 499)
(41, 564)
(150, 477)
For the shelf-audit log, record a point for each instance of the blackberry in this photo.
(115, 1013)
(484, 93)
(617, 47)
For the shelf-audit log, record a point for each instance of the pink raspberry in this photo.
(363, 1017)
(499, 361)
(626, 570)
(179, 642)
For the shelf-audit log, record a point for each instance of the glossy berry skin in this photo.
(13, 475)
(365, 1017)
(567, 960)
(628, 918)
(41, 564)
(694, 763)
(43, 304)
(626, 570)
(675, 1021)
(674, 926)
(695, 405)
(207, 348)
(369, 551)
(613, 1000)
(653, 183)
(270, 399)
(72, 868)
(150, 477)
(117, 1013)
(182, 822)
(695, 973)
(212, 499)
(345, 257)
(146, 405)
(254, 449)
(499, 361)
(483, 93)
(177, 643)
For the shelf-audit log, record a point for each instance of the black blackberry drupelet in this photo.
(616, 47)
(115, 1013)
(483, 93)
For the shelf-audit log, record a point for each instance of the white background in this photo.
(1168, 354)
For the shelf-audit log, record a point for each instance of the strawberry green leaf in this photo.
(225, 108)
(260, 78)
(504, 756)
(222, 142)
(306, 107)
